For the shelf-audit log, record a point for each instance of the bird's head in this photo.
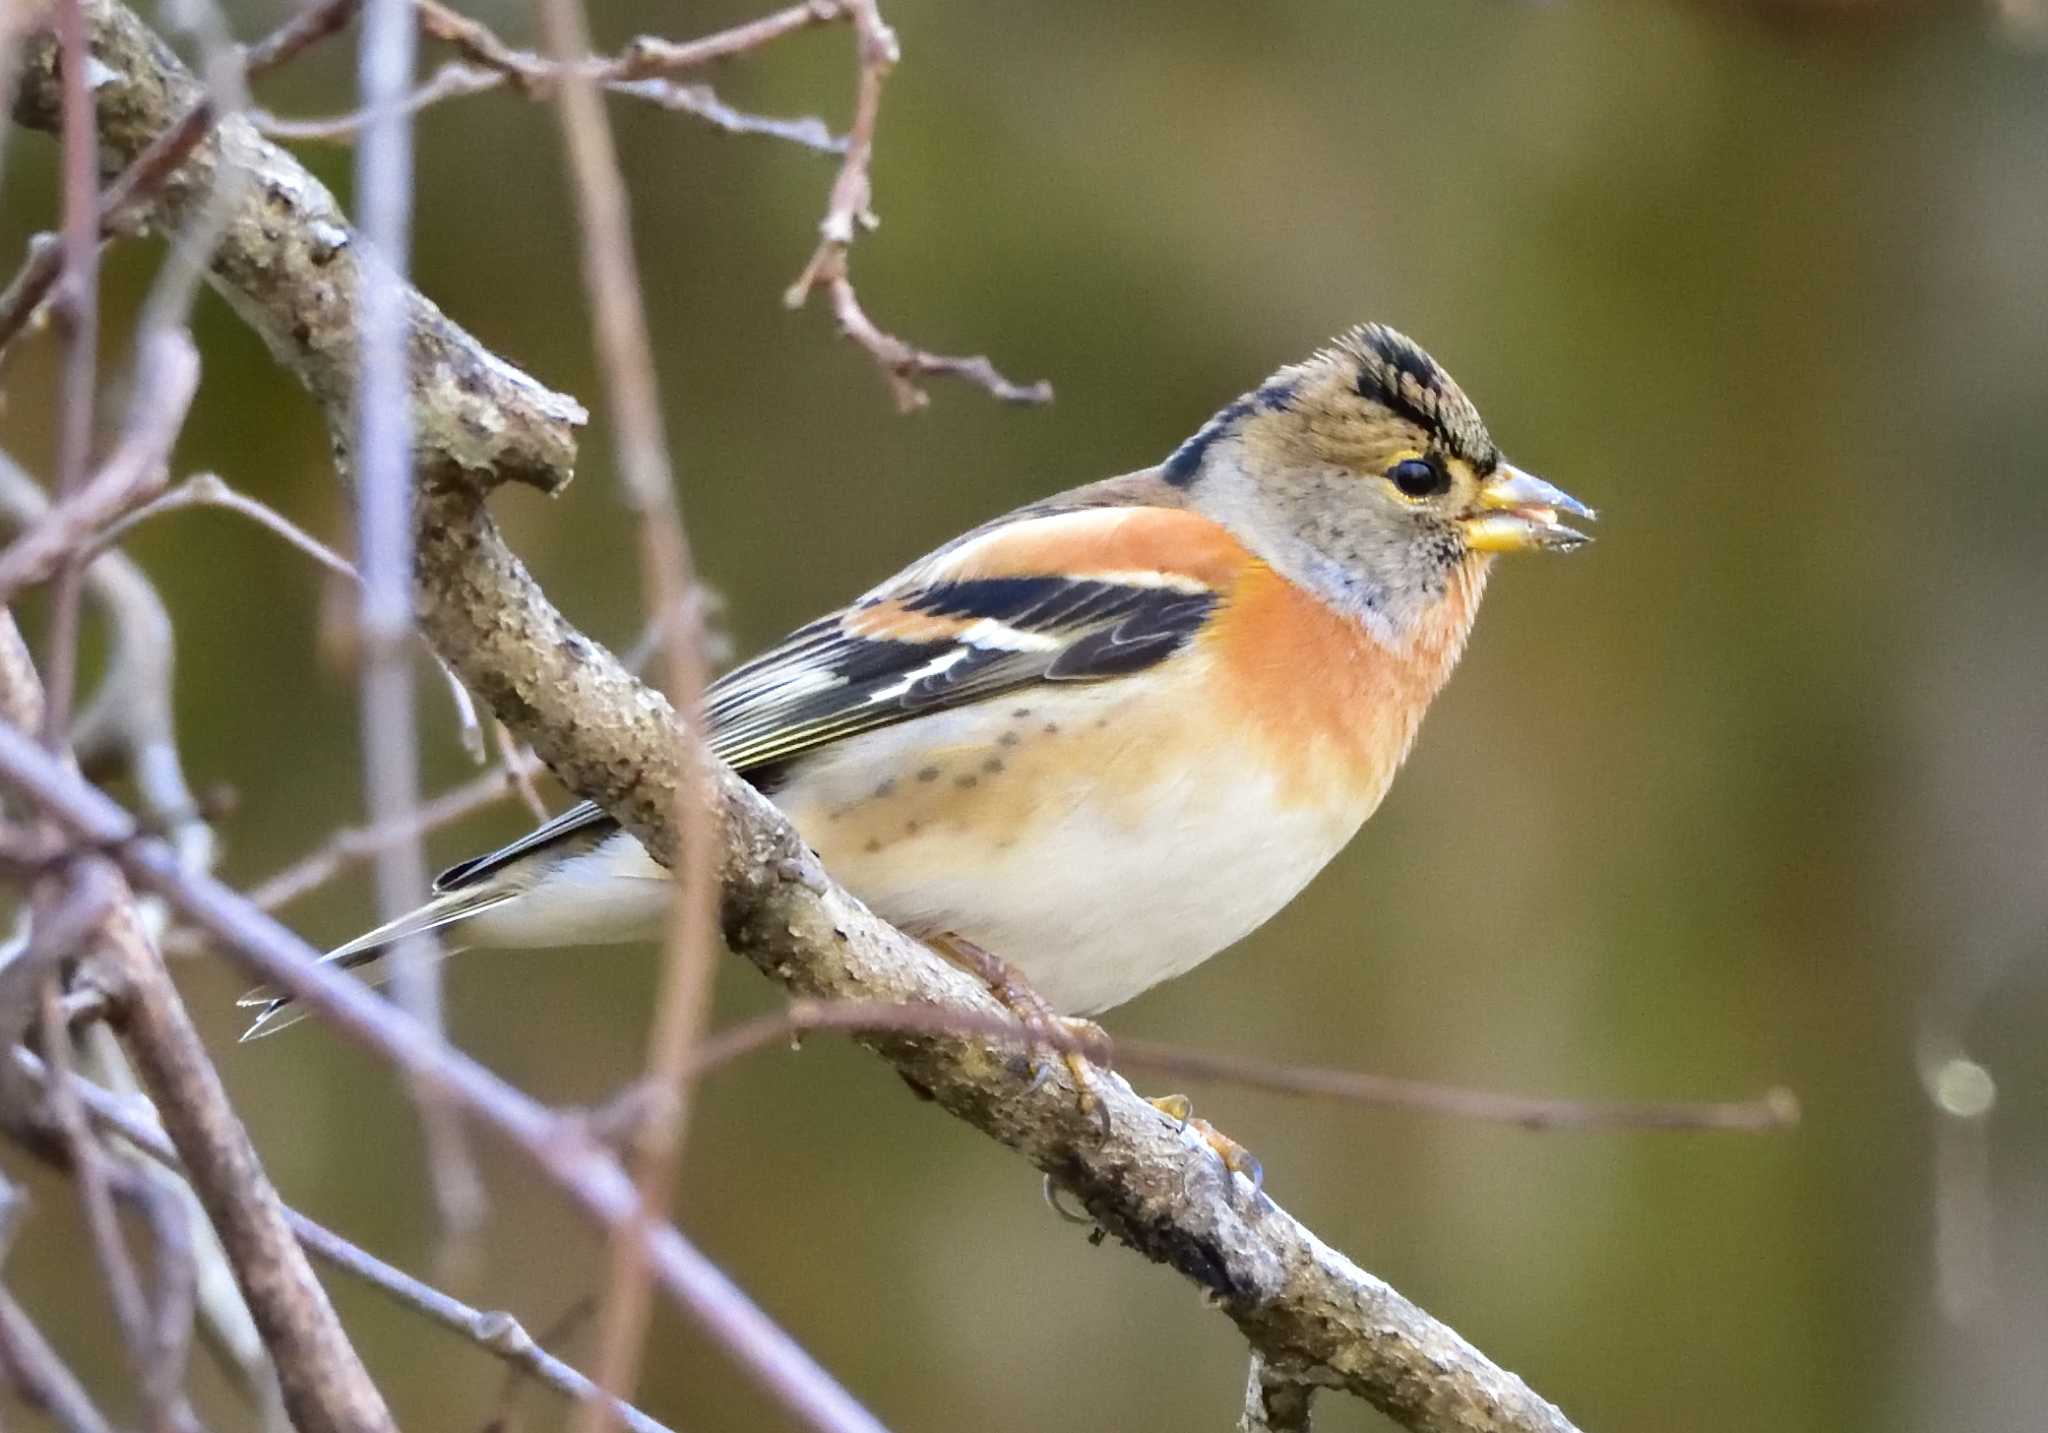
(1366, 473)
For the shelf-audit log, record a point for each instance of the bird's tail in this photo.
(370, 952)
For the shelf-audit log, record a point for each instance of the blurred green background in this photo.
(1734, 799)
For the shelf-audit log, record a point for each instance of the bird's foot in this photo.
(1047, 1030)
(1236, 1159)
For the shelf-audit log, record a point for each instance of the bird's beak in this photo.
(1517, 512)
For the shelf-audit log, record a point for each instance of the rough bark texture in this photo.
(287, 265)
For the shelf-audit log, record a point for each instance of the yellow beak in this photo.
(1517, 512)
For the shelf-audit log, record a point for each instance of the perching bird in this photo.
(1111, 733)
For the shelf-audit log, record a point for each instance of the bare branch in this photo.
(130, 722)
(651, 56)
(518, 765)
(668, 576)
(269, 952)
(325, 1385)
(77, 316)
(21, 691)
(95, 1174)
(700, 101)
(384, 480)
(125, 202)
(644, 57)
(498, 1333)
(451, 81)
(358, 843)
(208, 490)
(458, 80)
(38, 1376)
(1776, 1109)
(130, 475)
(850, 210)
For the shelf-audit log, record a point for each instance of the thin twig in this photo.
(642, 58)
(207, 490)
(630, 73)
(176, 287)
(95, 1173)
(358, 843)
(498, 1333)
(651, 56)
(78, 331)
(174, 1294)
(39, 1377)
(130, 723)
(451, 81)
(382, 459)
(640, 70)
(518, 764)
(458, 80)
(1777, 1109)
(611, 279)
(702, 102)
(130, 474)
(326, 1389)
(849, 210)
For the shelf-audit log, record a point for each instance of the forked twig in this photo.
(849, 210)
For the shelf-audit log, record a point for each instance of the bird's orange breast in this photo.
(1333, 708)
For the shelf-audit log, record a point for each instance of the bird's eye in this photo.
(1420, 477)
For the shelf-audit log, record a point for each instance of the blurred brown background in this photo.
(1733, 799)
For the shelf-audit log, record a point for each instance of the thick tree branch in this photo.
(286, 264)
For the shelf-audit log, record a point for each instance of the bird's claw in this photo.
(1044, 1030)
(1086, 1082)
(1234, 1157)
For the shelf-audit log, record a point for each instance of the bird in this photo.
(1084, 747)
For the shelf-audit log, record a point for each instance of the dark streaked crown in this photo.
(1393, 371)
(1372, 363)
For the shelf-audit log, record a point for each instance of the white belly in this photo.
(1097, 878)
(1067, 833)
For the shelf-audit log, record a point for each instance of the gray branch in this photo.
(287, 264)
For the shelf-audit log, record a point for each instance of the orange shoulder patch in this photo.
(1129, 545)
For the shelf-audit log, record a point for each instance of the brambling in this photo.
(1090, 744)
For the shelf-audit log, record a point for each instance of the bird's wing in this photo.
(1056, 593)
